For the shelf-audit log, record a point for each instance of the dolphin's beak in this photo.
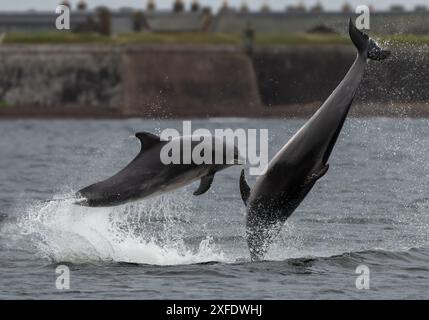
(82, 202)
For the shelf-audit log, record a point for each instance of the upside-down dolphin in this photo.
(147, 175)
(294, 170)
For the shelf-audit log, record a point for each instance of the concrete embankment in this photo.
(199, 81)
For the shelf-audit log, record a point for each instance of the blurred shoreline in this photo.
(201, 81)
(419, 110)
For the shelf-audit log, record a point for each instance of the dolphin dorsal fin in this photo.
(147, 140)
(205, 184)
(244, 188)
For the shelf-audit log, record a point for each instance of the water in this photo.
(371, 208)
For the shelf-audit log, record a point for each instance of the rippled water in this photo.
(371, 208)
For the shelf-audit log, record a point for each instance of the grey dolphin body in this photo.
(292, 173)
(148, 176)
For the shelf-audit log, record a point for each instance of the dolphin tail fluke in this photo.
(366, 45)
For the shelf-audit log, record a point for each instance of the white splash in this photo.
(149, 232)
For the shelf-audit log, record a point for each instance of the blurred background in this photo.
(159, 62)
(205, 58)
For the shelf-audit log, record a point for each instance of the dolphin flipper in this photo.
(316, 176)
(205, 184)
(244, 188)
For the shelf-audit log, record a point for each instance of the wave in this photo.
(149, 232)
(375, 256)
(160, 231)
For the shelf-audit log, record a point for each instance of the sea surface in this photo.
(371, 209)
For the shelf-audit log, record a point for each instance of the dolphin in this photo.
(147, 175)
(294, 170)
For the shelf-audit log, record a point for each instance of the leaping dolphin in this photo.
(148, 176)
(294, 170)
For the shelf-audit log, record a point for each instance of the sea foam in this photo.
(148, 232)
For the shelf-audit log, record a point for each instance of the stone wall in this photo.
(60, 77)
(197, 81)
(189, 81)
(307, 74)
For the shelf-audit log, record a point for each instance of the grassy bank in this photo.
(128, 38)
(195, 38)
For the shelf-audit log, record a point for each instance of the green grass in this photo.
(314, 38)
(406, 38)
(128, 38)
(196, 38)
(178, 38)
(3, 104)
(53, 38)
